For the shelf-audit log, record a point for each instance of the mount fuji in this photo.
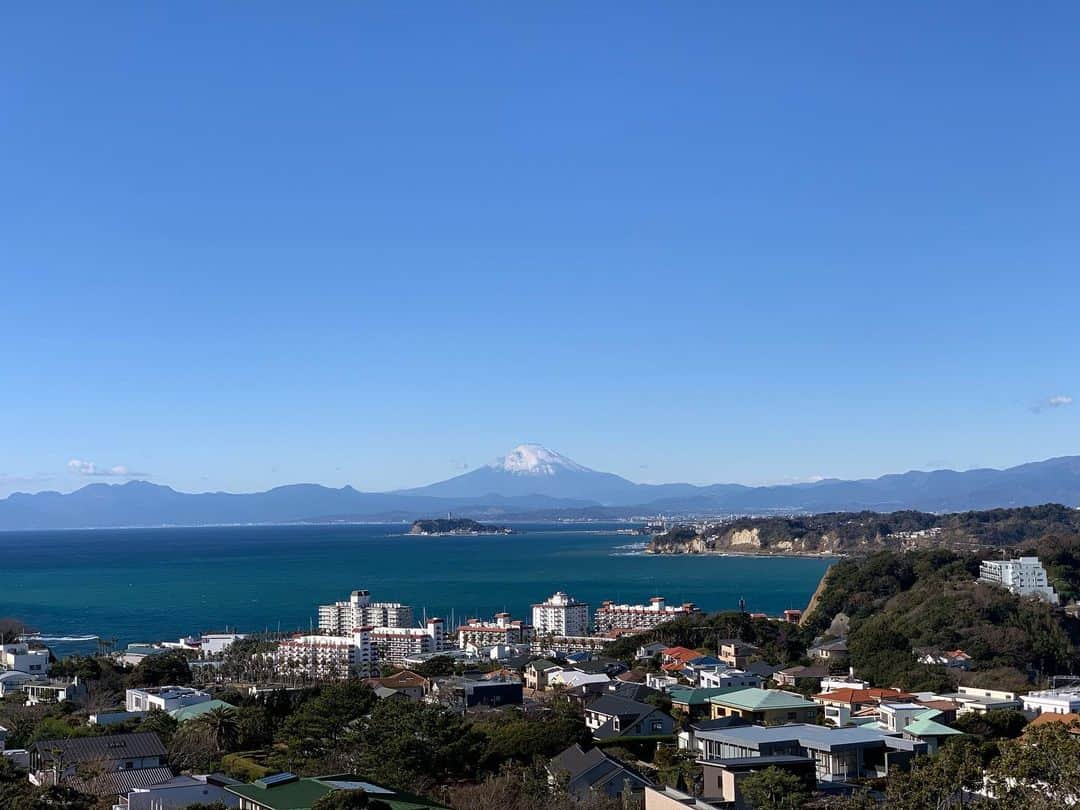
(531, 469)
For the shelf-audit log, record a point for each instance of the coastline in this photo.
(824, 555)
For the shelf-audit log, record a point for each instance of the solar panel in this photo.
(277, 779)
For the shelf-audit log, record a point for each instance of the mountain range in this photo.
(534, 482)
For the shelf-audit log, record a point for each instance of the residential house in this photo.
(727, 678)
(163, 698)
(406, 682)
(647, 651)
(566, 678)
(763, 669)
(765, 706)
(54, 691)
(592, 773)
(838, 754)
(841, 704)
(722, 779)
(737, 654)
(12, 681)
(663, 797)
(800, 676)
(661, 681)
(462, 693)
(953, 659)
(538, 672)
(181, 792)
(687, 736)
(1052, 701)
(287, 791)
(829, 651)
(19, 656)
(611, 716)
(916, 722)
(694, 703)
(976, 700)
(122, 762)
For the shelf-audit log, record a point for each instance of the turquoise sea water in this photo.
(150, 584)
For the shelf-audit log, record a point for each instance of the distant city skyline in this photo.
(693, 244)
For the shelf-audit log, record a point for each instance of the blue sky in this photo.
(379, 244)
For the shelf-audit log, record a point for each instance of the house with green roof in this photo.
(916, 722)
(694, 703)
(287, 791)
(765, 706)
(191, 712)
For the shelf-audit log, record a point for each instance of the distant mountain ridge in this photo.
(532, 481)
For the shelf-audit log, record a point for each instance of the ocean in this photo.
(160, 584)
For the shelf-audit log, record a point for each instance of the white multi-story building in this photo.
(341, 618)
(19, 657)
(394, 644)
(610, 616)
(1053, 701)
(163, 698)
(561, 615)
(501, 630)
(328, 657)
(1024, 577)
(728, 678)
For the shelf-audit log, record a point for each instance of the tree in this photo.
(439, 666)
(938, 783)
(222, 726)
(161, 670)
(161, 723)
(774, 789)
(193, 749)
(1041, 770)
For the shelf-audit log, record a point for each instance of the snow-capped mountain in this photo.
(535, 459)
(532, 469)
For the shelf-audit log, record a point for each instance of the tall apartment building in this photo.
(1024, 577)
(561, 615)
(501, 630)
(328, 657)
(610, 616)
(394, 644)
(341, 618)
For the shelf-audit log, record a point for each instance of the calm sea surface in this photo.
(150, 584)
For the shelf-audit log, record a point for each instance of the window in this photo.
(791, 715)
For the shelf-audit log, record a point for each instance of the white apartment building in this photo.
(394, 644)
(501, 630)
(163, 698)
(328, 657)
(19, 657)
(1024, 577)
(341, 618)
(561, 615)
(1053, 701)
(610, 616)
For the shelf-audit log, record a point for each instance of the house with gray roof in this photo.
(613, 716)
(592, 772)
(122, 762)
(838, 754)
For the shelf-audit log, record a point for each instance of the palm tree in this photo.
(222, 726)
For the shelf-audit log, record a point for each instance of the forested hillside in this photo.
(865, 532)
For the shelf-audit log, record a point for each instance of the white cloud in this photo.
(1059, 400)
(88, 468)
